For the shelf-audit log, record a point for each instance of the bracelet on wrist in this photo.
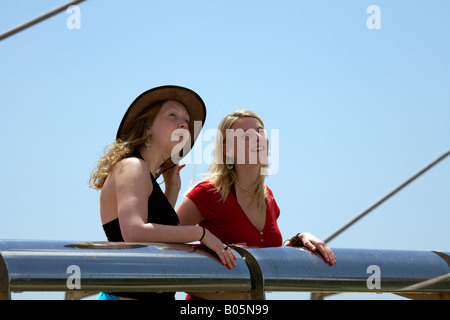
(203, 235)
(295, 241)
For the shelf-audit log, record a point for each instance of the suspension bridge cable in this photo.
(386, 197)
(36, 20)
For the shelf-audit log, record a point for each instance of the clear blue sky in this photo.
(358, 110)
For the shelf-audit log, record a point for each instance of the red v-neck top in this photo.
(228, 222)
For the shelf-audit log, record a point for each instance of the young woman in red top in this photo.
(233, 202)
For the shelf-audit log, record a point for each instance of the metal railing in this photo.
(66, 266)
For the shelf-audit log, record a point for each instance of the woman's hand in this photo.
(225, 253)
(313, 243)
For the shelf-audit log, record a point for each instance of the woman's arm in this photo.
(188, 213)
(133, 187)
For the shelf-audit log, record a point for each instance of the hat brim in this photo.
(191, 100)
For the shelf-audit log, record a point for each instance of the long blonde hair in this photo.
(223, 177)
(127, 147)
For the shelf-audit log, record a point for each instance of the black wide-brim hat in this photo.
(191, 100)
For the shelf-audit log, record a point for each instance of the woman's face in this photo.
(247, 142)
(163, 132)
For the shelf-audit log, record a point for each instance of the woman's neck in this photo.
(246, 176)
(153, 158)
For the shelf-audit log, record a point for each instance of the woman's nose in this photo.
(183, 124)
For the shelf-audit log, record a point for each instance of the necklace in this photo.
(243, 187)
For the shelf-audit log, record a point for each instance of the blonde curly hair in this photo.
(127, 147)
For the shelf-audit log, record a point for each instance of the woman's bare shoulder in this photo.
(130, 165)
(132, 173)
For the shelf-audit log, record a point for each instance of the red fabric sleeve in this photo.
(205, 197)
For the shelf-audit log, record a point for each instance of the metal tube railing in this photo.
(103, 266)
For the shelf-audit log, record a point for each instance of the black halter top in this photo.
(160, 211)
